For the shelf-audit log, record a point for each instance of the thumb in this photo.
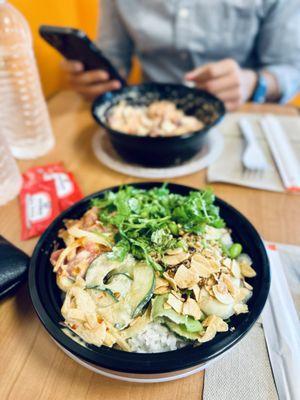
(194, 74)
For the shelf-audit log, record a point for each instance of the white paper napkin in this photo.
(228, 167)
(282, 330)
(243, 374)
(247, 372)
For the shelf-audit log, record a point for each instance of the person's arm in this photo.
(113, 38)
(278, 49)
(278, 59)
(227, 80)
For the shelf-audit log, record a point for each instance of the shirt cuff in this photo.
(288, 79)
(122, 64)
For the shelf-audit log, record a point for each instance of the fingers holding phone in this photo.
(89, 84)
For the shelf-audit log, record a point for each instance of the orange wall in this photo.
(296, 101)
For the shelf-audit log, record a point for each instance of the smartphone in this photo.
(74, 44)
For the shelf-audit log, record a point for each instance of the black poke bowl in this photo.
(160, 151)
(151, 367)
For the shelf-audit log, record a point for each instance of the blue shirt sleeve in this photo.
(113, 38)
(278, 45)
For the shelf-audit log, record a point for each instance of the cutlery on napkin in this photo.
(283, 153)
(229, 168)
(253, 157)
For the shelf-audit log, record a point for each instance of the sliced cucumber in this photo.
(192, 325)
(98, 270)
(140, 293)
(119, 284)
(142, 287)
(180, 330)
(126, 267)
(101, 267)
(158, 311)
(113, 274)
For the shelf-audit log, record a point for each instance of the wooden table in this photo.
(32, 366)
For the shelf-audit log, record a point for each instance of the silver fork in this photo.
(253, 159)
(252, 175)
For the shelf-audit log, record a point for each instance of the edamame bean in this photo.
(173, 228)
(235, 250)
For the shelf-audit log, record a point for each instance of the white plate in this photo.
(107, 155)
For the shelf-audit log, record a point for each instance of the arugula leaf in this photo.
(149, 221)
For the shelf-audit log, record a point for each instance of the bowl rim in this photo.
(145, 363)
(102, 98)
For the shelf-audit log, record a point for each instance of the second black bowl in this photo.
(160, 151)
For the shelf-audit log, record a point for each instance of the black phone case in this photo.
(74, 44)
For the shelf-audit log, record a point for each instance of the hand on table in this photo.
(227, 80)
(89, 84)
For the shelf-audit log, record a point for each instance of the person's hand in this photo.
(89, 84)
(227, 80)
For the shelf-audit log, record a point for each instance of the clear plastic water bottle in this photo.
(24, 118)
(10, 177)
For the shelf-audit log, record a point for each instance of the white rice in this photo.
(155, 338)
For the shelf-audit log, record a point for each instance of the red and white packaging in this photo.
(39, 206)
(46, 191)
(67, 190)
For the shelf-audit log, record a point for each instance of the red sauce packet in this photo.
(67, 190)
(39, 206)
(46, 191)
